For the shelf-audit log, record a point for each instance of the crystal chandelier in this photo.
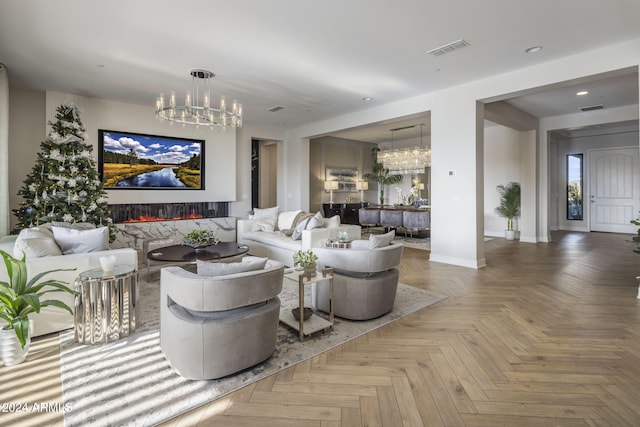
(196, 111)
(405, 160)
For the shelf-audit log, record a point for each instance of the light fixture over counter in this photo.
(197, 109)
(405, 160)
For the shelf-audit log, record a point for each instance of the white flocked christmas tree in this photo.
(64, 184)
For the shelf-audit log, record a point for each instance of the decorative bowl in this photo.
(307, 313)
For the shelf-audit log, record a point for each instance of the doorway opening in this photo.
(264, 173)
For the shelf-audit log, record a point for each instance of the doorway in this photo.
(264, 173)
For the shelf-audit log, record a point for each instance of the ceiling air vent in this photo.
(276, 108)
(591, 108)
(449, 47)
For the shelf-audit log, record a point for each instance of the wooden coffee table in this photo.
(181, 253)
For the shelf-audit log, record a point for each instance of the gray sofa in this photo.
(214, 326)
(365, 281)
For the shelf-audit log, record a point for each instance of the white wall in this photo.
(457, 143)
(501, 166)
(219, 147)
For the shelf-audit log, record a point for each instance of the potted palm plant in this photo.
(18, 299)
(509, 206)
(381, 175)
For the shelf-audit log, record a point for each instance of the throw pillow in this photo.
(213, 269)
(297, 220)
(73, 241)
(262, 225)
(74, 225)
(380, 240)
(315, 221)
(332, 222)
(286, 219)
(35, 242)
(267, 218)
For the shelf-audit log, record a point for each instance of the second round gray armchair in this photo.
(214, 326)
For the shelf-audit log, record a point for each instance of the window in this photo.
(574, 187)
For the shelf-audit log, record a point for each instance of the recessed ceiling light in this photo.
(367, 98)
(533, 49)
(582, 93)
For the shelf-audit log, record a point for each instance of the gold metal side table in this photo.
(106, 304)
(314, 323)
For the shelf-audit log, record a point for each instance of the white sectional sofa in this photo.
(277, 245)
(53, 319)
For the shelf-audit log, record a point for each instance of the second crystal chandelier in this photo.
(406, 160)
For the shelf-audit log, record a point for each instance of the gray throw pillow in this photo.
(381, 240)
(315, 221)
(213, 269)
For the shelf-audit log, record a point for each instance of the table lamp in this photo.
(331, 185)
(362, 185)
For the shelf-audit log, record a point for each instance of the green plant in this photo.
(381, 175)
(509, 202)
(19, 297)
(636, 238)
(305, 258)
(199, 238)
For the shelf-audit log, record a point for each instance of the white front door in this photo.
(614, 189)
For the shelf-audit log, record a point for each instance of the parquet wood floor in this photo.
(546, 335)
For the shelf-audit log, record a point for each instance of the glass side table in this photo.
(106, 304)
(314, 323)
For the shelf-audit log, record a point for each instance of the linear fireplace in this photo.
(150, 212)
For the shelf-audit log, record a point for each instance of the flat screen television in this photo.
(129, 160)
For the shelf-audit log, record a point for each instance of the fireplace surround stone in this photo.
(133, 235)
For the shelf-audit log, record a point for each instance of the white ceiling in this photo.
(316, 59)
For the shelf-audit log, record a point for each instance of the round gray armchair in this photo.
(214, 326)
(365, 279)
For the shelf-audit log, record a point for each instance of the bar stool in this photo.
(415, 221)
(391, 219)
(369, 218)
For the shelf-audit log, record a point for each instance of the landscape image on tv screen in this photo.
(137, 161)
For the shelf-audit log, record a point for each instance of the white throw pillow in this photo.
(262, 225)
(315, 221)
(285, 219)
(35, 242)
(212, 269)
(266, 218)
(74, 225)
(332, 222)
(381, 240)
(73, 241)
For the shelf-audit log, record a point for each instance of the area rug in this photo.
(129, 382)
